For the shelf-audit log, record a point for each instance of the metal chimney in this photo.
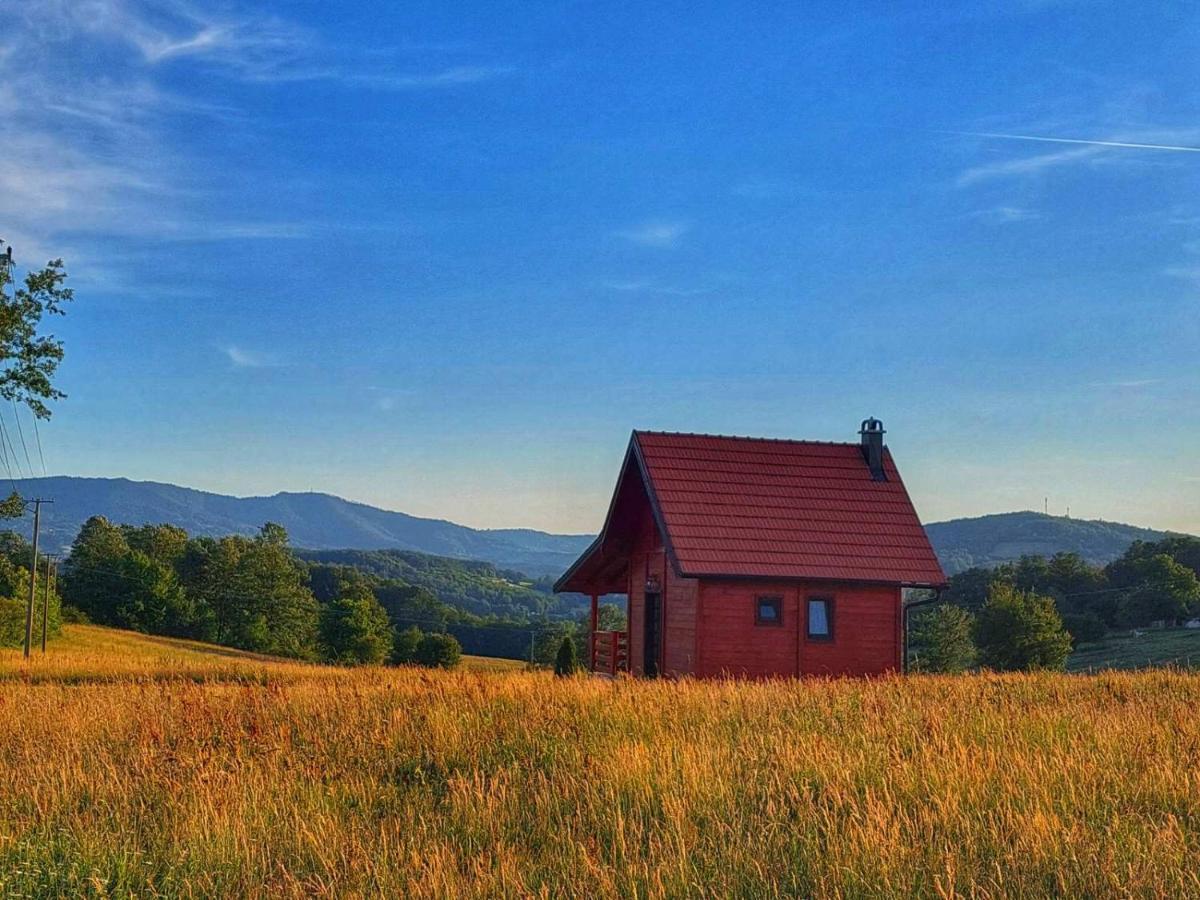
(872, 434)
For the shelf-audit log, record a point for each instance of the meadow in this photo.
(138, 767)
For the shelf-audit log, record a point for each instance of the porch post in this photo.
(592, 633)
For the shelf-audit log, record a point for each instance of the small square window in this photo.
(820, 619)
(768, 610)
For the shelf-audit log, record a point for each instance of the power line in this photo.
(21, 434)
(37, 434)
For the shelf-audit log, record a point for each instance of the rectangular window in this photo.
(768, 610)
(820, 618)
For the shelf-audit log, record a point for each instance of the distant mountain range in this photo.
(991, 540)
(325, 522)
(314, 521)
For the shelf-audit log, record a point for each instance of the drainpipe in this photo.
(936, 598)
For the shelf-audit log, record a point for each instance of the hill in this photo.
(1004, 537)
(324, 522)
(90, 653)
(315, 521)
(477, 587)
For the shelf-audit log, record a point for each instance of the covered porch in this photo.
(598, 574)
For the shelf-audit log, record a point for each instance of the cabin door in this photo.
(653, 633)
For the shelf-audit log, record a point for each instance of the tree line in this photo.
(251, 593)
(1030, 614)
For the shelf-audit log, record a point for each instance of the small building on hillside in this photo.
(755, 558)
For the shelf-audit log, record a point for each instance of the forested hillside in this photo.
(477, 587)
(1005, 537)
(324, 522)
(318, 521)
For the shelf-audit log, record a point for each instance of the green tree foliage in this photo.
(478, 588)
(1020, 631)
(1165, 589)
(439, 651)
(151, 599)
(940, 640)
(14, 595)
(12, 506)
(165, 544)
(28, 359)
(548, 636)
(355, 629)
(244, 592)
(1084, 627)
(566, 662)
(93, 580)
(256, 593)
(404, 647)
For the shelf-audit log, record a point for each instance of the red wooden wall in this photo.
(709, 626)
(866, 630)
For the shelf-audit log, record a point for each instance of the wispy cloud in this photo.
(93, 153)
(1029, 165)
(445, 78)
(655, 234)
(1186, 273)
(241, 358)
(1003, 215)
(1130, 384)
(650, 287)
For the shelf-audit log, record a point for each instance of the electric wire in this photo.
(21, 434)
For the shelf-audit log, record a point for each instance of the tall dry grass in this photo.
(410, 783)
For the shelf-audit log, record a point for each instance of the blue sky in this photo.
(443, 257)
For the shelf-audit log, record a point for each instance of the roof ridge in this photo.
(744, 437)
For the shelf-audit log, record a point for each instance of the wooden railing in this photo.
(610, 652)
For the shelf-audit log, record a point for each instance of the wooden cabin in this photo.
(753, 557)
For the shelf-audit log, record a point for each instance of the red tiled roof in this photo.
(783, 509)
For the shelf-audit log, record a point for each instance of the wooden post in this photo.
(37, 521)
(614, 638)
(592, 635)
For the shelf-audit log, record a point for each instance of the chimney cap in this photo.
(871, 426)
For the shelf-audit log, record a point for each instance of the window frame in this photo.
(830, 618)
(775, 600)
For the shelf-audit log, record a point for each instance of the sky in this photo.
(442, 258)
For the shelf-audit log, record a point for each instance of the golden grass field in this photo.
(140, 767)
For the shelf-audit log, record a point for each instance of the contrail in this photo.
(1055, 140)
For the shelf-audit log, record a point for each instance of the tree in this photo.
(969, 588)
(404, 647)
(29, 360)
(941, 640)
(439, 651)
(548, 637)
(164, 544)
(566, 662)
(14, 593)
(251, 593)
(355, 629)
(1020, 630)
(1166, 590)
(151, 599)
(93, 580)
(1084, 627)
(12, 506)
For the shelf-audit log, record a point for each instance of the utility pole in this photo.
(37, 523)
(46, 601)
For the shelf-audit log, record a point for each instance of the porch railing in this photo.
(610, 652)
